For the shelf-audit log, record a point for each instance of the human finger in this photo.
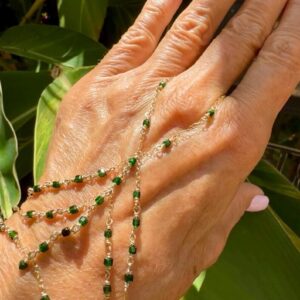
(274, 74)
(138, 43)
(208, 249)
(189, 36)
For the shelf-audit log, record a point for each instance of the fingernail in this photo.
(258, 203)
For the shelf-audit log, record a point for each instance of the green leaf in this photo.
(259, 262)
(46, 114)
(284, 197)
(193, 292)
(52, 44)
(22, 90)
(126, 3)
(9, 185)
(84, 16)
(120, 15)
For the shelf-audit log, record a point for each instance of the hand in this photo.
(193, 197)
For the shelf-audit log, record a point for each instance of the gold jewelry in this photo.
(120, 174)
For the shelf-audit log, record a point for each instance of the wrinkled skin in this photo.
(194, 195)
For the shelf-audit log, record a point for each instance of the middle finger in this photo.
(188, 37)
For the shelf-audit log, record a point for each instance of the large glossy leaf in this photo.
(120, 15)
(52, 44)
(46, 113)
(9, 186)
(285, 198)
(259, 263)
(22, 90)
(85, 16)
(193, 292)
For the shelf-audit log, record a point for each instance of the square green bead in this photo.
(132, 161)
(136, 222)
(56, 184)
(23, 264)
(108, 261)
(43, 247)
(99, 200)
(101, 173)
(128, 277)
(36, 188)
(107, 289)
(49, 214)
(12, 234)
(45, 297)
(117, 180)
(167, 143)
(73, 209)
(132, 249)
(30, 214)
(108, 233)
(211, 112)
(83, 220)
(78, 179)
(136, 194)
(146, 123)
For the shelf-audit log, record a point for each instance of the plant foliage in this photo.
(261, 260)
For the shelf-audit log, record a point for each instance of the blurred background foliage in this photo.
(46, 46)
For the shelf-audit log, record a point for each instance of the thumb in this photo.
(248, 197)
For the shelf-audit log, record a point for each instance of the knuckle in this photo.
(283, 49)
(153, 12)
(249, 26)
(196, 26)
(142, 33)
(242, 137)
(182, 105)
(137, 37)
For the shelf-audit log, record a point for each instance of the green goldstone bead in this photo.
(136, 222)
(49, 214)
(45, 297)
(132, 161)
(107, 289)
(12, 234)
(108, 261)
(211, 112)
(83, 220)
(108, 233)
(56, 184)
(78, 179)
(43, 247)
(36, 188)
(117, 180)
(99, 200)
(101, 173)
(136, 194)
(128, 277)
(146, 123)
(73, 209)
(23, 264)
(132, 249)
(30, 214)
(167, 143)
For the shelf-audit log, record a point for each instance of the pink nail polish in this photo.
(258, 203)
